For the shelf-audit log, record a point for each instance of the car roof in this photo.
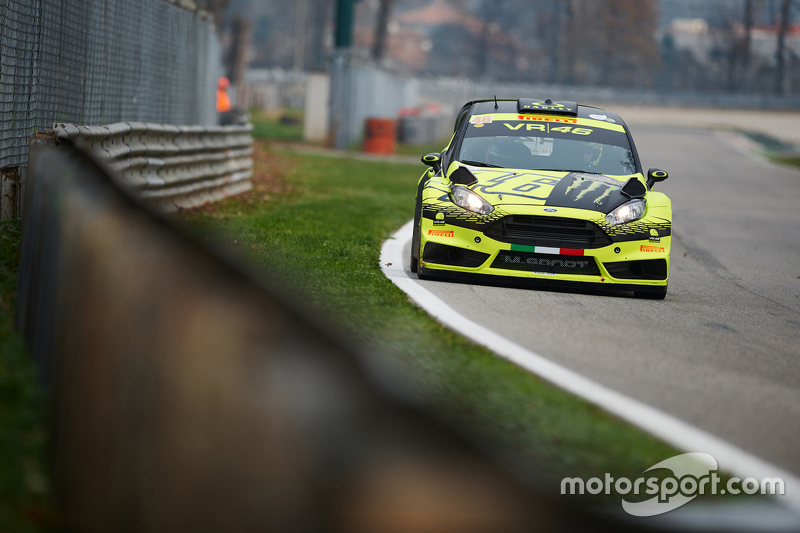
(497, 105)
(487, 107)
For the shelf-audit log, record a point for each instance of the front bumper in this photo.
(458, 253)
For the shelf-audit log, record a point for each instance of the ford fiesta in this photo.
(542, 193)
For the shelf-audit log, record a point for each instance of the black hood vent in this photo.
(462, 176)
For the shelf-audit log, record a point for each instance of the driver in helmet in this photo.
(591, 154)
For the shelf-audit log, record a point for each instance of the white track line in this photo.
(658, 423)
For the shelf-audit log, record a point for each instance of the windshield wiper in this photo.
(577, 171)
(479, 164)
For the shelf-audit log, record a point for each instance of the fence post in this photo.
(9, 192)
(317, 107)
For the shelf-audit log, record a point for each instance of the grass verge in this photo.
(318, 224)
(420, 150)
(775, 150)
(24, 484)
(285, 125)
(784, 160)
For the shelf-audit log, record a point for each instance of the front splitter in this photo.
(538, 284)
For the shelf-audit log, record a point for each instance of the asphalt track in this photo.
(722, 351)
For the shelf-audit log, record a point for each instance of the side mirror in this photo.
(655, 175)
(434, 161)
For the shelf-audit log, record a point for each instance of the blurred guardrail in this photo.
(172, 167)
(185, 396)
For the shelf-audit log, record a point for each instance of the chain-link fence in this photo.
(95, 62)
(360, 90)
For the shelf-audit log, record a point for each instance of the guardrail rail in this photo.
(172, 167)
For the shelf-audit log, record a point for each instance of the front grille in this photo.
(552, 232)
(551, 264)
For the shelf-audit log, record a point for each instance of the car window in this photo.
(548, 146)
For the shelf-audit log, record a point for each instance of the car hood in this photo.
(595, 192)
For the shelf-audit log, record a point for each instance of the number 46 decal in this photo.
(569, 129)
(547, 129)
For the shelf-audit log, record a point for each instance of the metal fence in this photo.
(172, 167)
(360, 90)
(102, 61)
(454, 93)
(272, 89)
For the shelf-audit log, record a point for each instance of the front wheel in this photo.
(414, 263)
(415, 238)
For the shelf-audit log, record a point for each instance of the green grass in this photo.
(285, 126)
(420, 150)
(774, 149)
(24, 483)
(783, 160)
(323, 235)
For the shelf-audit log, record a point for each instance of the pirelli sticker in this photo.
(440, 233)
(653, 249)
(549, 119)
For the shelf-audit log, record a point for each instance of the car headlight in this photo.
(633, 210)
(470, 201)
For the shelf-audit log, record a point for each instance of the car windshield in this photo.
(559, 144)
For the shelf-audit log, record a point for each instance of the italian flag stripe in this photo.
(546, 250)
(543, 250)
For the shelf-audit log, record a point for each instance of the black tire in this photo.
(415, 238)
(651, 295)
(414, 263)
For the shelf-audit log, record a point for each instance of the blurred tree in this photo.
(510, 46)
(490, 12)
(320, 13)
(608, 42)
(780, 76)
(748, 33)
(215, 7)
(238, 55)
(300, 21)
(632, 59)
(381, 26)
(551, 28)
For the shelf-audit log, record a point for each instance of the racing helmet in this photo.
(592, 152)
(506, 152)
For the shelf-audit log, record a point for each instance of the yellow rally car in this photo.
(542, 193)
